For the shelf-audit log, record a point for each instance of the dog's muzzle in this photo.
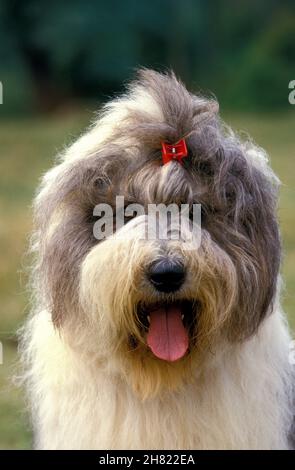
(168, 322)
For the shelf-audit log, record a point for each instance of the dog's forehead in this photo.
(153, 182)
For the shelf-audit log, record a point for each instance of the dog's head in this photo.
(153, 308)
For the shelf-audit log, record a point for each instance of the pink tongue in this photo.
(167, 336)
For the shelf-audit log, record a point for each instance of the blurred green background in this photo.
(60, 60)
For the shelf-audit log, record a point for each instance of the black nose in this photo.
(166, 275)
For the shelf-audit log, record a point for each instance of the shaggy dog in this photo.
(144, 343)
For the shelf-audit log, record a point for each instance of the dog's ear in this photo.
(253, 239)
(64, 227)
(238, 192)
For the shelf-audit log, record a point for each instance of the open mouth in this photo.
(168, 326)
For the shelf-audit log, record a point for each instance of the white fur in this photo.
(240, 402)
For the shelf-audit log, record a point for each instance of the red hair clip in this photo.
(175, 152)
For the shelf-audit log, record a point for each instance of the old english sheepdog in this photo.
(154, 342)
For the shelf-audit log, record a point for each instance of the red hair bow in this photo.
(175, 152)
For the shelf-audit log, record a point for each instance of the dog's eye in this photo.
(206, 168)
(128, 217)
(100, 183)
(204, 214)
(230, 195)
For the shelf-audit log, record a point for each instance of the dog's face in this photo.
(153, 309)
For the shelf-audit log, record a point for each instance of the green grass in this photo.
(14, 422)
(27, 150)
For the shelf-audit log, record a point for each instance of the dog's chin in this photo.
(167, 328)
(161, 352)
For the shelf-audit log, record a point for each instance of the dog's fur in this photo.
(92, 381)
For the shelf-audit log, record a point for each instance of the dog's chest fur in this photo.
(234, 407)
